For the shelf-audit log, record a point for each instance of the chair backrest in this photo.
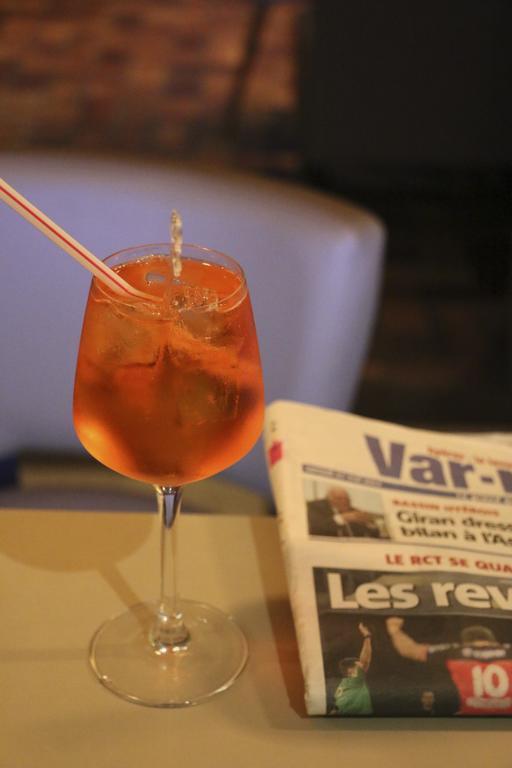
(313, 265)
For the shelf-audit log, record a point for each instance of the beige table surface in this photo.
(62, 574)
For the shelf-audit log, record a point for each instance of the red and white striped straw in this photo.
(68, 244)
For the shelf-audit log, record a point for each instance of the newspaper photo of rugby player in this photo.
(414, 664)
(478, 664)
(459, 668)
(352, 696)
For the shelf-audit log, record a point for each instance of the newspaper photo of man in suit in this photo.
(334, 515)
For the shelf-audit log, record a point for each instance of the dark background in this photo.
(403, 107)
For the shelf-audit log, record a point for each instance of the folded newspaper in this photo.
(397, 545)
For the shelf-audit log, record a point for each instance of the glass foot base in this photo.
(126, 663)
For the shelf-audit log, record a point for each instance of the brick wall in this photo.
(153, 77)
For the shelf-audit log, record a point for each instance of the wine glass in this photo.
(169, 392)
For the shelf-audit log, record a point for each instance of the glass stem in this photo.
(169, 631)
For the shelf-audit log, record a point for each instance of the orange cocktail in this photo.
(171, 392)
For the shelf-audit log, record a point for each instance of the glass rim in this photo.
(233, 299)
